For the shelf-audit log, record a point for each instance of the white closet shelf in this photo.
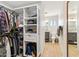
(31, 40)
(31, 37)
(32, 28)
(30, 17)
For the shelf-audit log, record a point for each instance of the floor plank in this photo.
(52, 50)
(73, 51)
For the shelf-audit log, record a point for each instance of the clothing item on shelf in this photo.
(31, 49)
(32, 21)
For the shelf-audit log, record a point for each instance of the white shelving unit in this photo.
(31, 27)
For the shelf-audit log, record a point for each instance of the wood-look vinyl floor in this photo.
(52, 50)
(73, 51)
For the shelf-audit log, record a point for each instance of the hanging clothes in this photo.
(16, 34)
(15, 41)
(7, 22)
(3, 29)
(3, 22)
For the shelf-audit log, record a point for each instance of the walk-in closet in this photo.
(21, 31)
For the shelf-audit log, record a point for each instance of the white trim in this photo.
(34, 4)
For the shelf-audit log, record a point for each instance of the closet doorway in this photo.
(51, 37)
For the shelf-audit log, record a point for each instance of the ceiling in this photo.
(53, 7)
(16, 4)
(50, 7)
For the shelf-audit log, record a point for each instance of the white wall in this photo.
(52, 24)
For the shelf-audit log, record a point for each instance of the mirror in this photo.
(72, 41)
